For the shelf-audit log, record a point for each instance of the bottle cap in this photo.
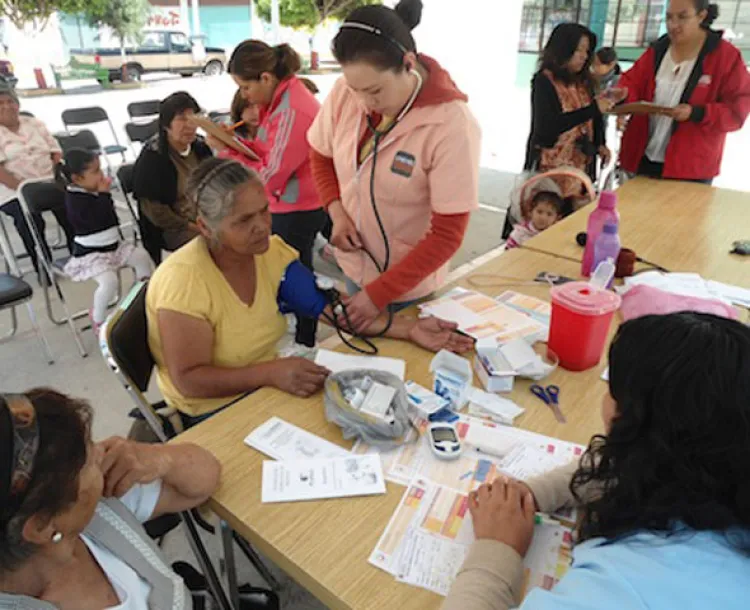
(607, 200)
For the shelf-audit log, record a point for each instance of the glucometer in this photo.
(444, 441)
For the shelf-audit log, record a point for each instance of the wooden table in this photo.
(325, 545)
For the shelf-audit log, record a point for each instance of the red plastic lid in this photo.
(585, 299)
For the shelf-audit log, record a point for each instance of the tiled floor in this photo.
(23, 364)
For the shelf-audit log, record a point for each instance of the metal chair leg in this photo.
(39, 333)
(257, 562)
(227, 540)
(204, 562)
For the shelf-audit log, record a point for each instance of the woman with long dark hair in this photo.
(663, 495)
(702, 78)
(567, 128)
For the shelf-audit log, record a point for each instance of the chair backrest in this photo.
(40, 195)
(141, 132)
(143, 109)
(125, 177)
(84, 116)
(82, 139)
(127, 338)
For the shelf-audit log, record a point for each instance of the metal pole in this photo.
(185, 17)
(275, 22)
(196, 18)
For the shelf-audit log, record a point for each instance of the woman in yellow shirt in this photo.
(213, 307)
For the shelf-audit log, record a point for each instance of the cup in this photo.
(581, 317)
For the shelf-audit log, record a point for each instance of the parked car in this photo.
(7, 73)
(159, 52)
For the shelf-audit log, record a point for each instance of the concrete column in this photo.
(275, 22)
(196, 18)
(598, 20)
(185, 17)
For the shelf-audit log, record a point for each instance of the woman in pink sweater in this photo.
(266, 77)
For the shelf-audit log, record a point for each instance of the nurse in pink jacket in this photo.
(266, 77)
(395, 157)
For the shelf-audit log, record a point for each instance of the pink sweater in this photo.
(282, 146)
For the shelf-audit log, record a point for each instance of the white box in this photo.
(489, 367)
(451, 377)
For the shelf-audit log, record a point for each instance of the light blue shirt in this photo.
(700, 571)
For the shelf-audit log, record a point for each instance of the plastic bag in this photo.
(356, 424)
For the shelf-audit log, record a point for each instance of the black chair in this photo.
(141, 132)
(84, 139)
(151, 235)
(147, 108)
(125, 349)
(94, 115)
(220, 116)
(124, 178)
(15, 292)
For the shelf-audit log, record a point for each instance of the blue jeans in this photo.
(353, 289)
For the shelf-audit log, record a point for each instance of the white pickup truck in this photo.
(159, 51)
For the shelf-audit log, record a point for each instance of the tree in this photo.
(36, 13)
(126, 18)
(309, 14)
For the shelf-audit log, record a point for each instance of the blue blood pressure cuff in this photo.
(299, 292)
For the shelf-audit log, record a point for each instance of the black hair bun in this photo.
(713, 14)
(410, 12)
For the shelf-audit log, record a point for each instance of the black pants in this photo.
(55, 203)
(298, 229)
(651, 169)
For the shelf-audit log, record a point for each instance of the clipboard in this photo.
(640, 108)
(215, 131)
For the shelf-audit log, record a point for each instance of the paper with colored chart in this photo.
(430, 533)
(539, 310)
(483, 317)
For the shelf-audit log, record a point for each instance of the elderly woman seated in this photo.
(161, 174)
(28, 151)
(71, 510)
(213, 307)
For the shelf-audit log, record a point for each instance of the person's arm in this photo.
(636, 79)
(188, 473)
(8, 178)
(552, 490)
(162, 215)
(325, 178)
(549, 119)
(730, 110)
(443, 239)
(54, 145)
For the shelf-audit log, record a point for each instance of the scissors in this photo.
(549, 396)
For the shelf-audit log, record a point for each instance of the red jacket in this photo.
(282, 146)
(719, 92)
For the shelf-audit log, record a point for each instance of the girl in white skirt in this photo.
(98, 251)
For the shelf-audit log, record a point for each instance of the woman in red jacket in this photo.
(703, 79)
(267, 77)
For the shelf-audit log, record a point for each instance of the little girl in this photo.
(98, 251)
(546, 209)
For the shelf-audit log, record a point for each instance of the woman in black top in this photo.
(98, 251)
(567, 127)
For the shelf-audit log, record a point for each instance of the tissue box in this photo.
(493, 371)
(451, 377)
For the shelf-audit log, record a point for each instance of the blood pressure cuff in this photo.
(299, 292)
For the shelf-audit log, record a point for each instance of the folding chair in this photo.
(141, 110)
(94, 115)
(141, 132)
(14, 292)
(124, 345)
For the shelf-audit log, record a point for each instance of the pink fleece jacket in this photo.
(282, 146)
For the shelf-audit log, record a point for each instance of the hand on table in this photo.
(681, 112)
(503, 511)
(298, 376)
(435, 334)
(126, 463)
(344, 234)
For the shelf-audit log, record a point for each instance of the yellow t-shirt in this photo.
(189, 282)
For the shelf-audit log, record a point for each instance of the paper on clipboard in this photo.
(215, 131)
(640, 108)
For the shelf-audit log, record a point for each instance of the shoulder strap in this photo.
(115, 528)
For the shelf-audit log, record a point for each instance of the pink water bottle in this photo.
(606, 211)
(607, 247)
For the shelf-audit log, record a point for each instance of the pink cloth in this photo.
(644, 300)
(522, 233)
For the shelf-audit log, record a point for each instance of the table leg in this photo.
(228, 541)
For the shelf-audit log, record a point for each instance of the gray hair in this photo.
(213, 187)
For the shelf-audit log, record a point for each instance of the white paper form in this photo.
(336, 362)
(429, 562)
(525, 462)
(346, 477)
(284, 441)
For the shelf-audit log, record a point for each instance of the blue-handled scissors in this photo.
(550, 396)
